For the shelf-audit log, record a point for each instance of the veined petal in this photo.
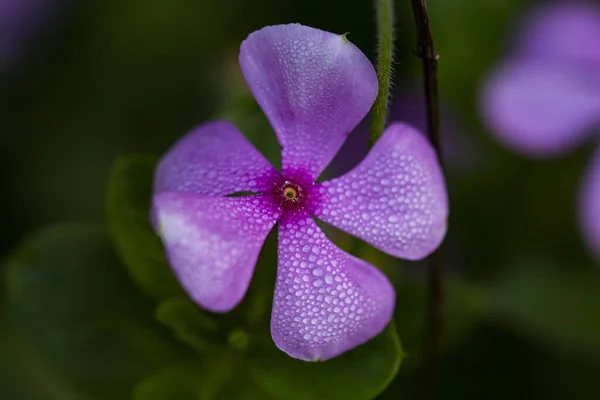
(314, 87)
(589, 210)
(214, 159)
(212, 243)
(564, 32)
(395, 199)
(541, 109)
(326, 301)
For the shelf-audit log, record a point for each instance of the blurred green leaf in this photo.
(255, 308)
(216, 378)
(244, 359)
(560, 307)
(19, 367)
(361, 373)
(243, 387)
(241, 357)
(176, 384)
(188, 322)
(71, 301)
(128, 208)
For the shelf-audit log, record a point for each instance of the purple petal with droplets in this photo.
(395, 199)
(213, 243)
(214, 159)
(563, 32)
(314, 86)
(589, 209)
(541, 109)
(326, 301)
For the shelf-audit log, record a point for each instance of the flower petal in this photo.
(395, 199)
(326, 301)
(589, 209)
(314, 86)
(213, 243)
(214, 159)
(541, 109)
(564, 32)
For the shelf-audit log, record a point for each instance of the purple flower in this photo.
(545, 99)
(314, 87)
(18, 20)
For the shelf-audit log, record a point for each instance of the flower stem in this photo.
(429, 58)
(385, 55)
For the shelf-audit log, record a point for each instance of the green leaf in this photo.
(189, 323)
(72, 303)
(247, 361)
(243, 387)
(214, 379)
(19, 367)
(128, 208)
(175, 383)
(202, 330)
(361, 373)
(557, 306)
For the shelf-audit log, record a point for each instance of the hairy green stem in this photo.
(385, 55)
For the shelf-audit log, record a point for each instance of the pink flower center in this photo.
(290, 195)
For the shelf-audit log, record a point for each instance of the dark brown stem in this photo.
(429, 57)
(430, 354)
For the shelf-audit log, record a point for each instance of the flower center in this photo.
(289, 194)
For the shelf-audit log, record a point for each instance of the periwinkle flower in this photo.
(314, 87)
(545, 99)
(18, 20)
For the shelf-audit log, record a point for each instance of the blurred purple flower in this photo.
(545, 99)
(19, 19)
(314, 87)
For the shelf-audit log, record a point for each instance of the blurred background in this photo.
(84, 82)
